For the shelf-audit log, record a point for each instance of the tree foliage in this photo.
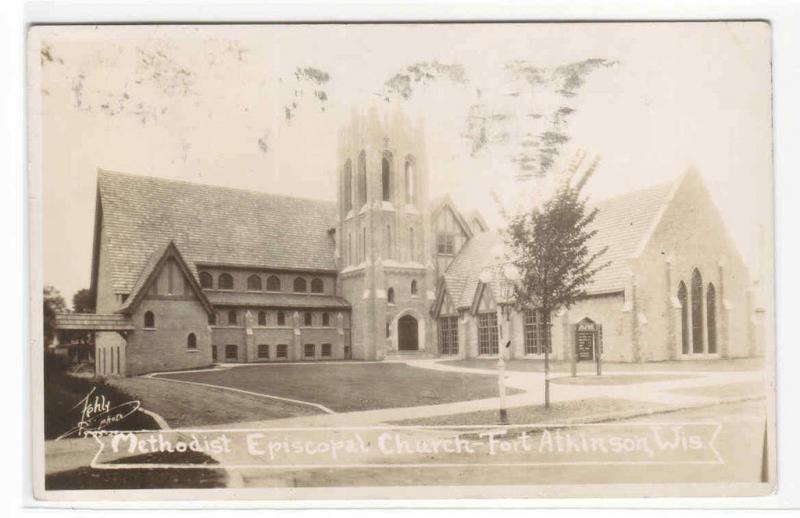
(83, 301)
(53, 303)
(550, 247)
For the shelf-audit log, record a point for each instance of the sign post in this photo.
(598, 353)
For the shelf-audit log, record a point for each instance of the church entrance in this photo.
(407, 334)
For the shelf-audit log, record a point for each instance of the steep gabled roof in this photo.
(445, 202)
(623, 223)
(475, 215)
(462, 276)
(210, 225)
(150, 271)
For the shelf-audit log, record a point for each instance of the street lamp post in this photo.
(505, 283)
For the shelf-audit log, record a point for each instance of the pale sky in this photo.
(209, 104)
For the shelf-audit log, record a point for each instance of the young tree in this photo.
(549, 247)
(53, 303)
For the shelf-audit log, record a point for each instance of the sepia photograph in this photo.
(401, 260)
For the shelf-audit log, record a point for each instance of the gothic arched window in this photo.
(206, 280)
(683, 298)
(273, 283)
(254, 283)
(300, 285)
(191, 341)
(411, 182)
(362, 179)
(697, 312)
(149, 320)
(225, 282)
(317, 286)
(348, 185)
(711, 318)
(390, 295)
(386, 177)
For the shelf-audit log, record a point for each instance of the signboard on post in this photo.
(585, 339)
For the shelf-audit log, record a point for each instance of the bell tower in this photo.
(383, 259)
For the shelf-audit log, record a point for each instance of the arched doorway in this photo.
(407, 333)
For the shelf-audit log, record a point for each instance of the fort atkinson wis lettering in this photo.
(343, 446)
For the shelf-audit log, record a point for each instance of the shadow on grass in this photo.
(146, 478)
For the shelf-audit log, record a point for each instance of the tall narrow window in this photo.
(232, 317)
(273, 283)
(448, 335)
(317, 285)
(254, 283)
(191, 341)
(536, 325)
(410, 182)
(388, 239)
(697, 312)
(386, 177)
(411, 254)
(349, 248)
(487, 334)
(390, 295)
(362, 179)
(307, 319)
(326, 319)
(348, 185)
(683, 298)
(281, 318)
(299, 285)
(206, 280)
(711, 318)
(149, 320)
(262, 318)
(225, 282)
(414, 287)
(363, 244)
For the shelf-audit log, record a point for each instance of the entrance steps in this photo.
(408, 355)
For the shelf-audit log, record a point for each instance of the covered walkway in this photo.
(108, 360)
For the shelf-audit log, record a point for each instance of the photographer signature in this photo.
(98, 414)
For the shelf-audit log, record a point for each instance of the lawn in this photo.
(63, 410)
(185, 406)
(558, 413)
(739, 364)
(352, 387)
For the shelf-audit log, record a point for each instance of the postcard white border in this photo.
(785, 25)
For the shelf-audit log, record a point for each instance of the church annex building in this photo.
(186, 275)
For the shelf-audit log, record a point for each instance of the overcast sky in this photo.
(505, 106)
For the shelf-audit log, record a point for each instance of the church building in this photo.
(186, 275)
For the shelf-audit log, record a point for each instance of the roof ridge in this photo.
(637, 192)
(107, 172)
